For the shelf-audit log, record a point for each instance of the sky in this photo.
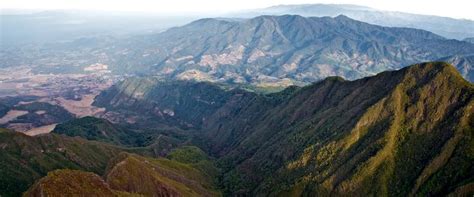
(450, 8)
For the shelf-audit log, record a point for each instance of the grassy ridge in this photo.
(128, 175)
(70, 183)
(24, 159)
(397, 133)
(147, 176)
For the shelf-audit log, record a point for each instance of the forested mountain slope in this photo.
(397, 133)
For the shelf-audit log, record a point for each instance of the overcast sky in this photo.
(450, 8)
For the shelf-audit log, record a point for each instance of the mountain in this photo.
(25, 159)
(71, 182)
(159, 177)
(387, 134)
(166, 102)
(471, 40)
(283, 50)
(399, 133)
(265, 52)
(444, 26)
(97, 129)
(464, 64)
(144, 137)
(72, 164)
(128, 175)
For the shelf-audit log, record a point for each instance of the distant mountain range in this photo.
(471, 40)
(444, 26)
(465, 64)
(40, 26)
(399, 133)
(283, 50)
(265, 51)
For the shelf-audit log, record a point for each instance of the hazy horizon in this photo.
(459, 9)
(236, 98)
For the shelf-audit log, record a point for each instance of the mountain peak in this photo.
(430, 69)
(286, 17)
(209, 21)
(342, 17)
(322, 6)
(471, 40)
(70, 182)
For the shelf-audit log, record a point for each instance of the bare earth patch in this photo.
(80, 108)
(40, 112)
(12, 115)
(40, 130)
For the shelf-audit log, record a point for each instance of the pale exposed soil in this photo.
(80, 108)
(40, 130)
(12, 115)
(40, 112)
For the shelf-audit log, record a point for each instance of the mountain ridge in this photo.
(324, 138)
(128, 175)
(264, 52)
(273, 144)
(26, 158)
(289, 47)
(404, 132)
(350, 57)
(446, 26)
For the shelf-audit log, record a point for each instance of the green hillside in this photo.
(97, 129)
(24, 159)
(394, 134)
(398, 133)
(158, 177)
(71, 183)
(128, 175)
